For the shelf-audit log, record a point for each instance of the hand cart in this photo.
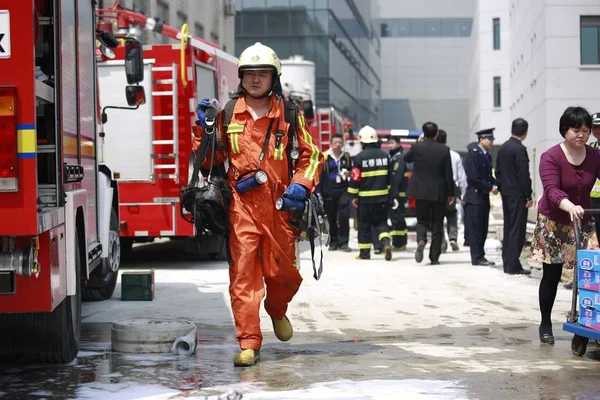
(582, 333)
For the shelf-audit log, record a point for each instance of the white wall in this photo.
(547, 76)
(490, 63)
(429, 75)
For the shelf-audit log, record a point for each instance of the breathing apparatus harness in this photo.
(208, 205)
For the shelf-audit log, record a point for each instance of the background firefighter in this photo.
(370, 188)
(261, 241)
(398, 194)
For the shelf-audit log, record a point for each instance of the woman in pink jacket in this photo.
(568, 171)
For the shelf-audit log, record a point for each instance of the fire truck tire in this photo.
(101, 285)
(45, 337)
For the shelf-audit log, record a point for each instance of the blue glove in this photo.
(201, 111)
(295, 192)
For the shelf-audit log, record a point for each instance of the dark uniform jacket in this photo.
(399, 181)
(512, 170)
(432, 171)
(479, 177)
(371, 176)
(331, 180)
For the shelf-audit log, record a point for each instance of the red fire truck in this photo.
(58, 200)
(151, 146)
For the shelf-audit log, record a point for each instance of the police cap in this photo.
(596, 119)
(486, 133)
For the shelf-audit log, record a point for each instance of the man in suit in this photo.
(514, 183)
(432, 187)
(477, 199)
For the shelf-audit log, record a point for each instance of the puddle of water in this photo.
(365, 390)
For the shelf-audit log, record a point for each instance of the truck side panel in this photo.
(18, 210)
(87, 104)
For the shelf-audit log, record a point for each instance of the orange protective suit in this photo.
(261, 241)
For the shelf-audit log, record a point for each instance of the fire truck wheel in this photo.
(103, 278)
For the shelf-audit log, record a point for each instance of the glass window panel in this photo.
(303, 4)
(278, 22)
(465, 27)
(590, 20)
(589, 45)
(321, 22)
(282, 47)
(497, 92)
(449, 27)
(139, 6)
(162, 12)
(417, 27)
(278, 3)
(322, 4)
(302, 22)
(238, 5)
(199, 29)
(238, 24)
(433, 28)
(254, 23)
(496, 31)
(254, 4)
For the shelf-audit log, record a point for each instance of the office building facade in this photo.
(426, 55)
(554, 63)
(490, 77)
(339, 36)
(211, 20)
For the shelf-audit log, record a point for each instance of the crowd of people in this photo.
(263, 172)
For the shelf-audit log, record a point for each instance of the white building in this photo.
(554, 63)
(426, 58)
(489, 85)
(212, 20)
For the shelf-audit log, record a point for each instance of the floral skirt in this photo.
(554, 243)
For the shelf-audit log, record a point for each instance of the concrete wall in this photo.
(547, 75)
(427, 78)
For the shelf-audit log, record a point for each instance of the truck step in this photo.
(162, 118)
(171, 141)
(163, 81)
(159, 93)
(162, 69)
(165, 166)
(163, 156)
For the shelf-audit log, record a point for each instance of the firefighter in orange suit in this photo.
(261, 241)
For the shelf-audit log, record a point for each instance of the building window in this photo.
(417, 27)
(214, 38)
(199, 30)
(162, 13)
(497, 92)
(181, 19)
(590, 39)
(496, 25)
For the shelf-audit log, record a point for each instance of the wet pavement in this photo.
(366, 330)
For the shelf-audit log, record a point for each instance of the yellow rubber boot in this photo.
(246, 358)
(283, 328)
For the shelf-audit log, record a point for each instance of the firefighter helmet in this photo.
(368, 135)
(259, 56)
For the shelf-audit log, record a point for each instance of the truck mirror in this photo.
(307, 107)
(134, 62)
(135, 95)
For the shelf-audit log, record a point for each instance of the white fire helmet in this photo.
(259, 56)
(368, 135)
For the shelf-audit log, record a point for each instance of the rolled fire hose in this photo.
(185, 345)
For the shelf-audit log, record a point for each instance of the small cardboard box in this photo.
(589, 280)
(588, 260)
(589, 309)
(137, 285)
